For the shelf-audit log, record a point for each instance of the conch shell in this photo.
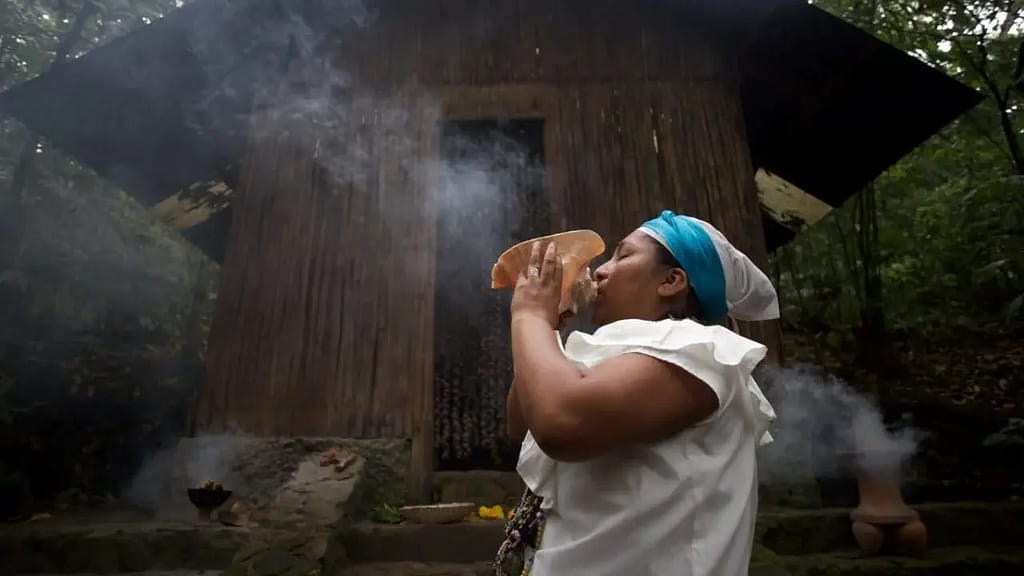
(577, 248)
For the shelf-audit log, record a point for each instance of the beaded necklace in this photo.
(523, 533)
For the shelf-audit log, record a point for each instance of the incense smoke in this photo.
(270, 74)
(208, 457)
(827, 429)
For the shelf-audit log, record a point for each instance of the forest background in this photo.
(913, 291)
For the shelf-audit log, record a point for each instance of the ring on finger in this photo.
(532, 271)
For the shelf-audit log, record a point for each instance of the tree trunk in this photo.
(874, 349)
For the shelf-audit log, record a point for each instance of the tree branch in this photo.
(1005, 122)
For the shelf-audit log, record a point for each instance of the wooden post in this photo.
(427, 128)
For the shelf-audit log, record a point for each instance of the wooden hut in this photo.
(306, 149)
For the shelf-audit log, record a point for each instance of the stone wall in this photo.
(281, 481)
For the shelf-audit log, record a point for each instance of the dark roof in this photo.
(828, 107)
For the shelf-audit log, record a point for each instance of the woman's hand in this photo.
(540, 286)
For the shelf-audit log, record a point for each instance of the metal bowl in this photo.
(206, 500)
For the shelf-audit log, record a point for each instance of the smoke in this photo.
(297, 71)
(167, 472)
(247, 48)
(292, 69)
(148, 489)
(277, 71)
(211, 458)
(827, 429)
(489, 195)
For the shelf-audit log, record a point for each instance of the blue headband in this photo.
(692, 247)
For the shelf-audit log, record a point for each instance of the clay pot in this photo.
(882, 519)
(912, 538)
(869, 537)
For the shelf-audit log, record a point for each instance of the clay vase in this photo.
(882, 519)
(577, 248)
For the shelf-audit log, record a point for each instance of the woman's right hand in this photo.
(538, 290)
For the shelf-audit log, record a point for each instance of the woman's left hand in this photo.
(539, 289)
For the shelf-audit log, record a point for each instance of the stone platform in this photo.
(958, 561)
(420, 569)
(78, 546)
(274, 481)
(964, 539)
(945, 562)
(804, 532)
(465, 542)
(155, 573)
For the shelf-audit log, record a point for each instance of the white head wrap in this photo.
(749, 292)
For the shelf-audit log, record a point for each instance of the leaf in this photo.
(1013, 310)
(994, 266)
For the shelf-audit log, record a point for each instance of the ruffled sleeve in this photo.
(717, 356)
(538, 471)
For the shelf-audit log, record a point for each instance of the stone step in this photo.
(785, 532)
(459, 543)
(419, 569)
(111, 548)
(145, 573)
(952, 561)
(944, 562)
(798, 532)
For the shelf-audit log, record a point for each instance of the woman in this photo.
(639, 440)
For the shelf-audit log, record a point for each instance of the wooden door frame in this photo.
(467, 103)
(516, 101)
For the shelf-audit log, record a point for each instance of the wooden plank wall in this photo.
(325, 321)
(523, 44)
(606, 172)
(496, 42)
(326, 313)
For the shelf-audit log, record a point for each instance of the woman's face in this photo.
(633, 284)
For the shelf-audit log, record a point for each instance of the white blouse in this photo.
(685, 506)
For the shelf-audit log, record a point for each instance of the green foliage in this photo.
(92, 308)
(386, 514)
(94, 367)
(32, 29)
(950, 216)
(1011, 435)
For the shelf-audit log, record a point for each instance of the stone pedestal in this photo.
(274, 482)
